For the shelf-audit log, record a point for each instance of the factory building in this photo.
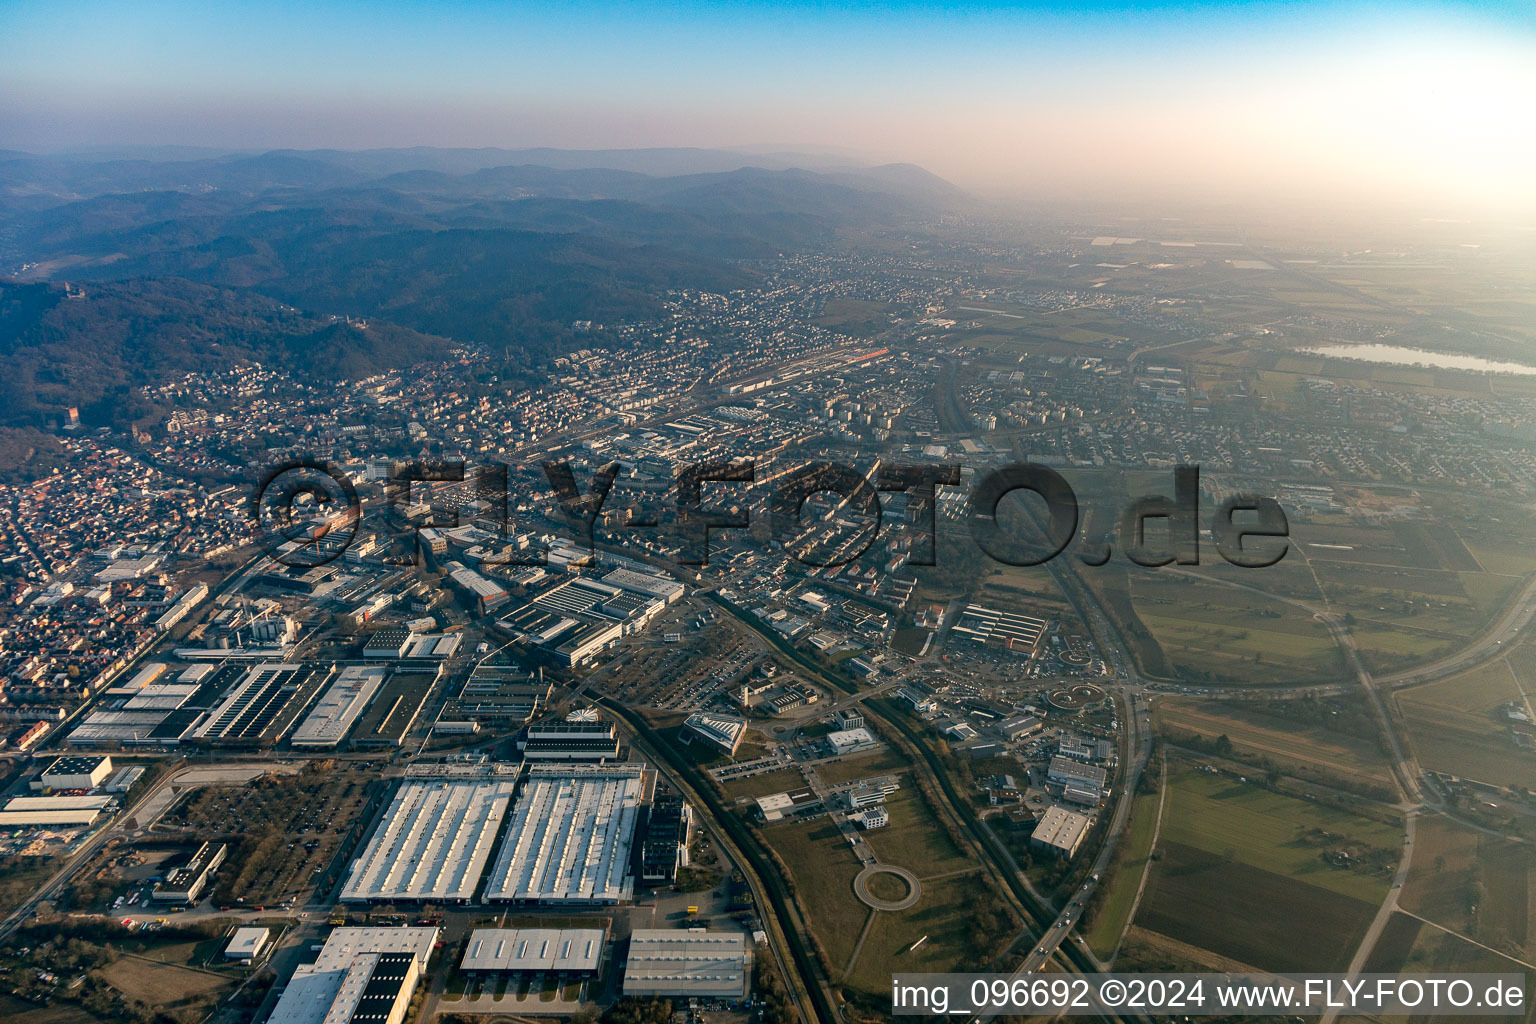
(567, 953)
(1061, 831)
(571, 836)
(186, 883)
(645, 583)
(570, 741)
(338, 709)
(361, 975)
(247, 943)
(77, 772)
(433, 842)
(665, 848)
(691, 963)
(850, 741)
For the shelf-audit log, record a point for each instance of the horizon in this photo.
(1390, 103)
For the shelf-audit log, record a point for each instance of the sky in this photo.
(1421, 102)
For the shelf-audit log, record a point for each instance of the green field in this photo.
(942, 913)
(1286, 743)
(822, 867)
(1131, 862)
(1245, 873)
(1475, 884)
(914, 839)
(762, 785)
(1455, 725)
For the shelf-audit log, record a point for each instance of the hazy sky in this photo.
(1387, 100)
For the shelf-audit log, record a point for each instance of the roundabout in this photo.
(862, 880)
(1076, 697)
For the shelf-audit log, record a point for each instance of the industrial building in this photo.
(247, 943)
(389, 644)
(570, 741)
(1080, 783)
(691, 963)
(501, 694)
(186, 883)
(723, 731)
(361, 975)
(1021, 726)
(262, 706)
(571, 836)
(645, 583)
(850, 741)
(487, 594)
(433, 842)
(665, 847)
(778, 806)
(54, 811)
(565, 952)
(1061, 831)
(339, 707)
(77, 772)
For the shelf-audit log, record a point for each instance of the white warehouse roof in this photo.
(571, 836)
(569, 950)
(433, 842)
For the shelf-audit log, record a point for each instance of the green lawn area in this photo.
(914, 839)
(941, 913)
(764, 784)
(822, 867)
(861, 766)
(1267, 830)
(1115, 911)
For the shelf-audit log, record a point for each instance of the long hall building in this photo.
(571, 836)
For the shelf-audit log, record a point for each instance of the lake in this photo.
(1400, 356)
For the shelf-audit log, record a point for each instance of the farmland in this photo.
(1284, 742)
(1262, 878)
(1456, 726)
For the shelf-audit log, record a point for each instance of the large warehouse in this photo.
(571, 836)
(569, 952)
(434, 840)
(361, 974)
(338, 710)
(695, 963)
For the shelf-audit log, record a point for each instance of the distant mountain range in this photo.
(500, 248)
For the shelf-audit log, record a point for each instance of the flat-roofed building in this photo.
(75, 772)
(1020, 726)
(247, 943)
(1061, 831)
(569, 952)
(434, 840)
(645, 583)
(1067, 772)
(665, 848)
(390, 643)
(570, 741)
(778, 806)
(850, 741)
(186, 883)
(361, 975)
(571, 836)
(339, 707)
(692, 963)
(263, 705)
